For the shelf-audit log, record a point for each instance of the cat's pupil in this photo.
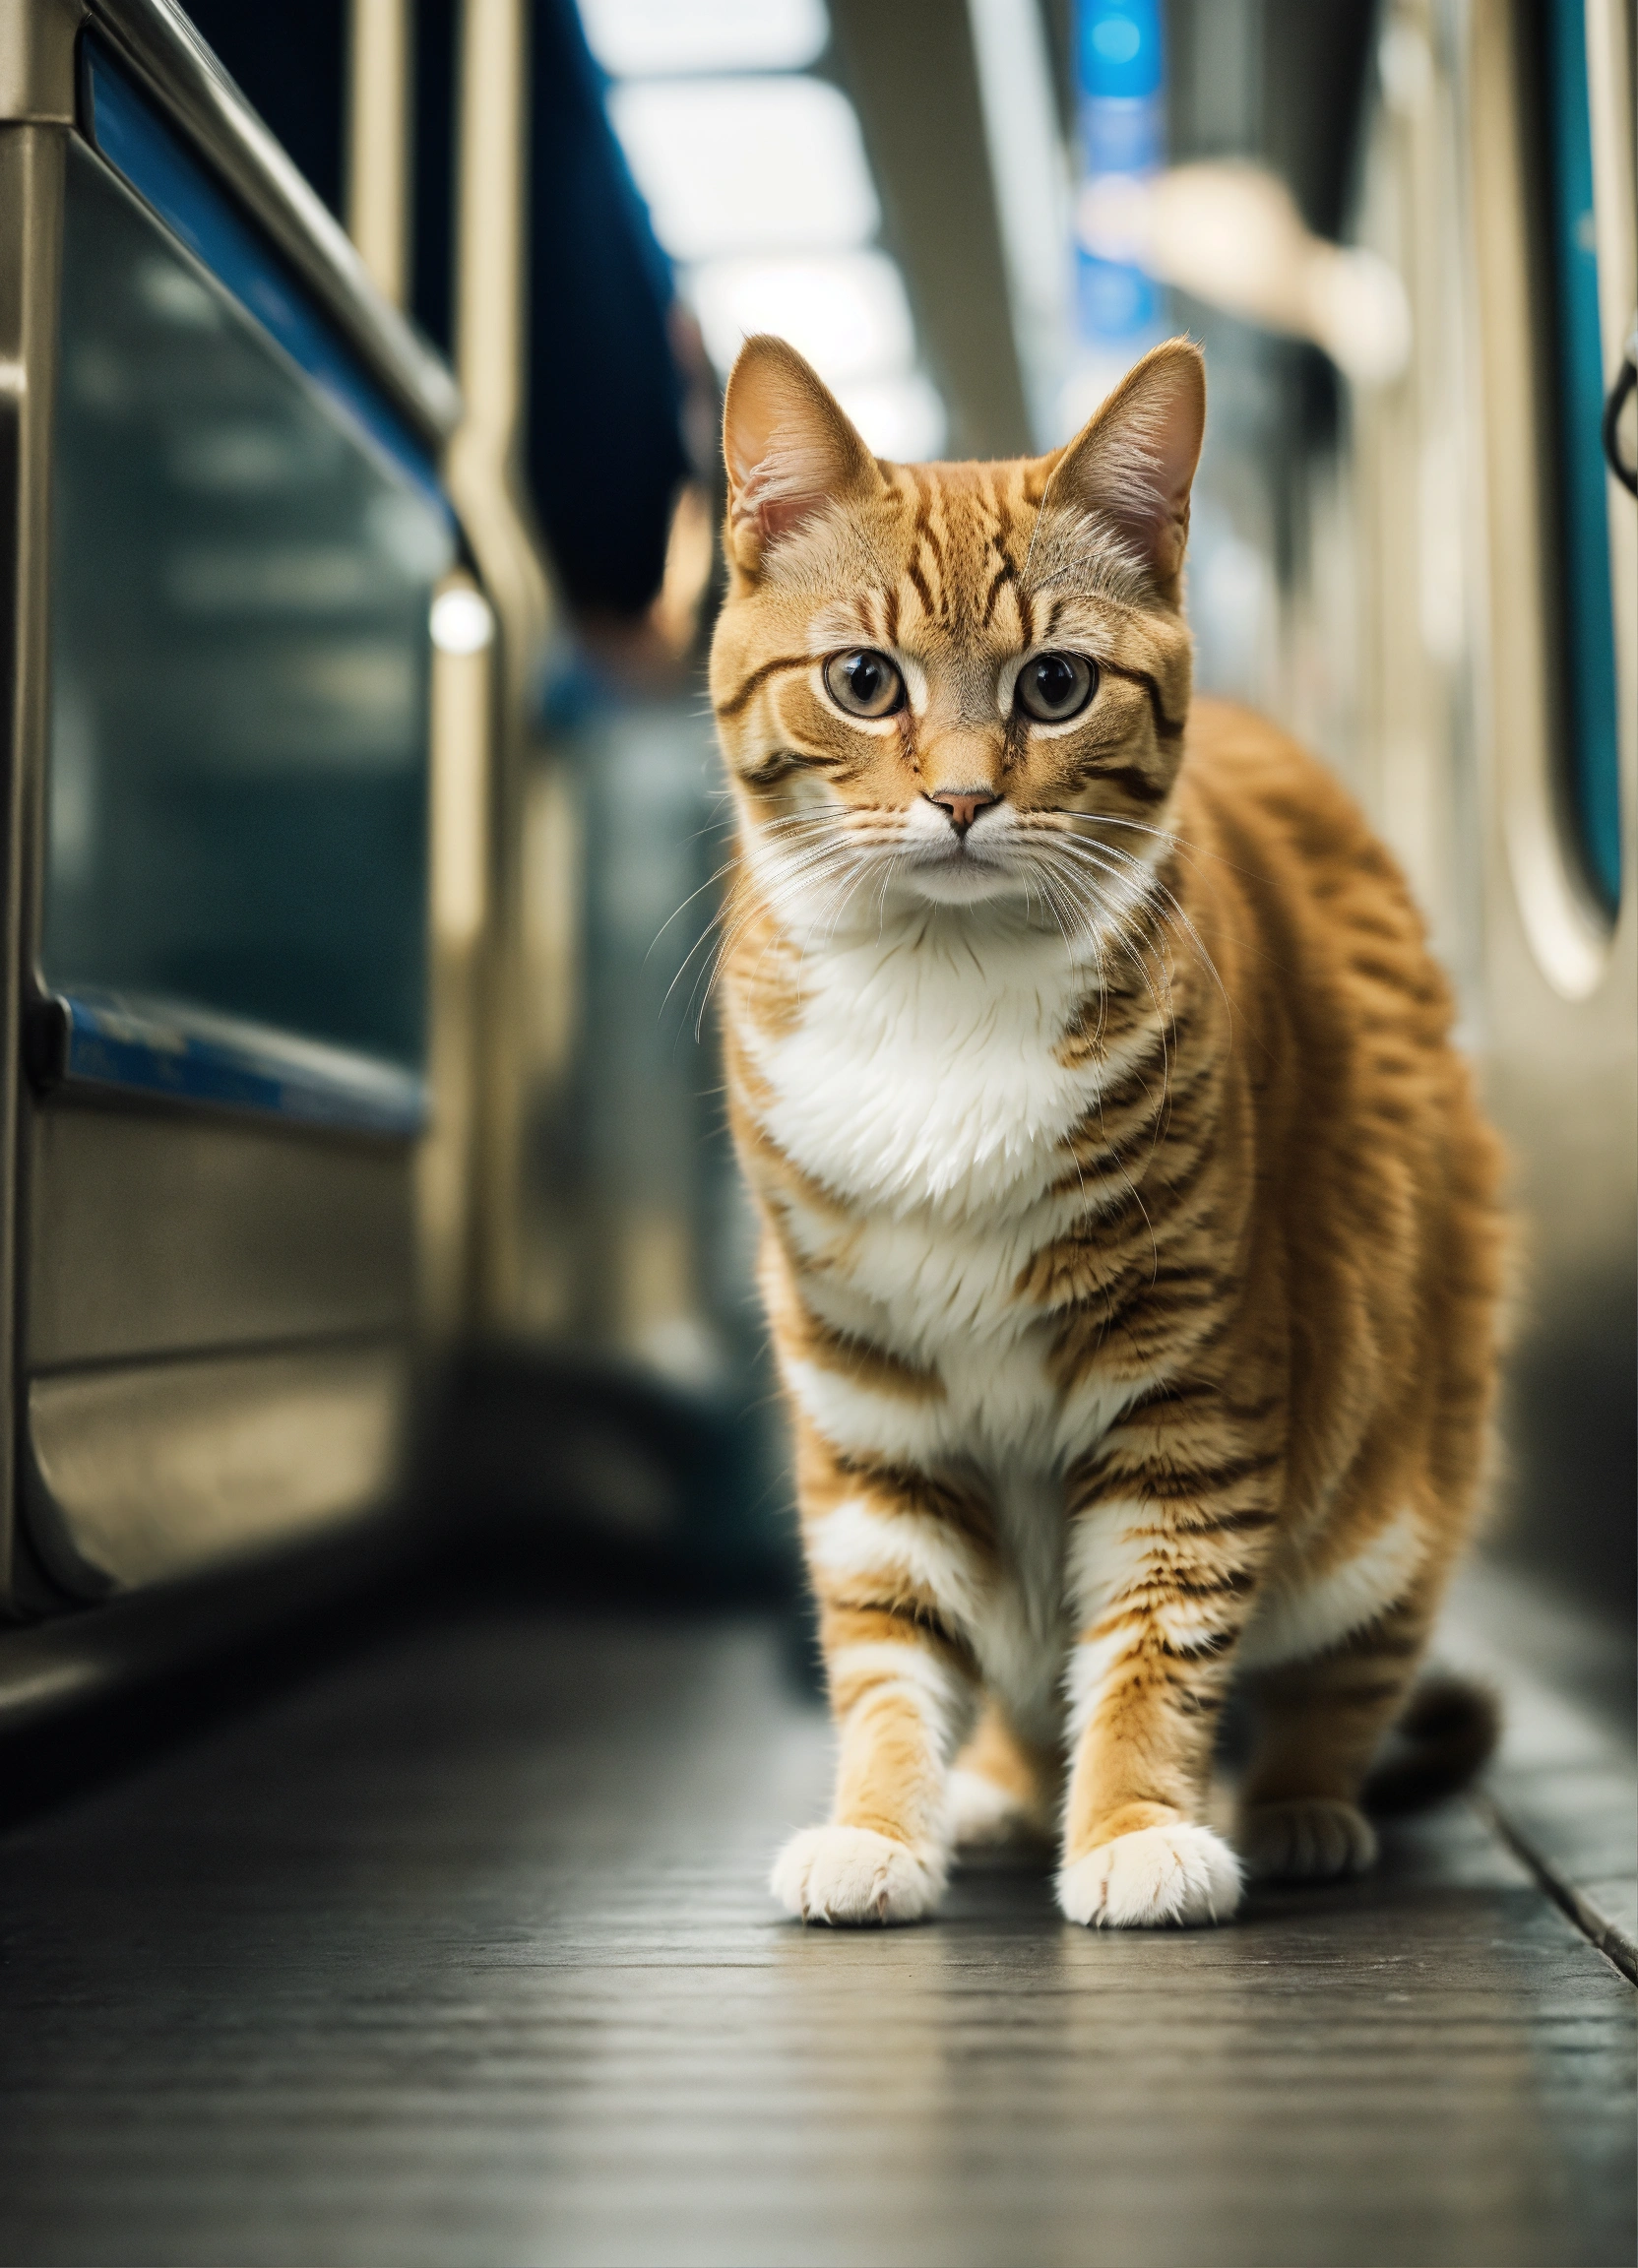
(865, 679)
(1054, 680)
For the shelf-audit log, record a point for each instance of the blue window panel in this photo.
(1589, 643)
(176, 1052)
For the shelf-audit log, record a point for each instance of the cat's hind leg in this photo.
(1001, 1790)
(1320, 1723)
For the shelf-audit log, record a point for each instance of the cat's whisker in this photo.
(737, 861)
(812, 866)
(1112, 915)
(1153, 883)
(1158, 993)
(725, 943)
(725, 869)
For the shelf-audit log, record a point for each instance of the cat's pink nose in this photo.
(964, 804)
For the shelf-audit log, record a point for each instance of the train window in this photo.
(245, 545)
(1588, 638)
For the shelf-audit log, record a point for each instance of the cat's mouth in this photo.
(963, 870)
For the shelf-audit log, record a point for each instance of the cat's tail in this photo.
(1447, 1734)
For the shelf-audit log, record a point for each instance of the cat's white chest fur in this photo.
(924, 1083)
(923, 1071)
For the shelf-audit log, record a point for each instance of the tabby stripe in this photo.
(911, 1602)
(759, 677)
(1004, 574)
(1131, 781)
(1165, 729)
(1186, 1393)
(784, 761)
(1118, 1480)
(1202, 1649)
(859, 1359)
(1233, 1585)
(916, 1490)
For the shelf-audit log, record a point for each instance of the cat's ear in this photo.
(789, 447)
(1133, 463)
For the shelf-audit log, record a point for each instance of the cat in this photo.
(1130, 1235)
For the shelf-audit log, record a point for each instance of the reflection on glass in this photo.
(240, 595)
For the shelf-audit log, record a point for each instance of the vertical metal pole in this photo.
(380, 172)
(378, 141)
(30, 267)
(492, 333)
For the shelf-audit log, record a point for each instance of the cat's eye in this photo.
(1053, 687)
(865, 683)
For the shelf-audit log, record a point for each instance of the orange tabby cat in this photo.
(1129, 1229)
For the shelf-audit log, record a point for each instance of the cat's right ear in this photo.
(789, 446)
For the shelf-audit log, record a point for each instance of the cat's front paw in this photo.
(1307, 1838)
(852, 1874)
(1157, 1875)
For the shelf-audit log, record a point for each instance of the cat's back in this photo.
(1254, 784)
(1373, 1160)
(1292, 889)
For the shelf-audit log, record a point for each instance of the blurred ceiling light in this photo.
(848, 313)
(1233, 236)
(904, 418)
(461, 621)
(747, 164)
(649, 38)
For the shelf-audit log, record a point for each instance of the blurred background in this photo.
(481, 870)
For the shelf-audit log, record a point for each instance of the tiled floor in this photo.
(460, 1953)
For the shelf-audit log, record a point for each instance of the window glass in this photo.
(242, 579)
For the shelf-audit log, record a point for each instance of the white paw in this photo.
(1156, 1875)
(853, 1874)
(982, 1813)
(1310, 1839)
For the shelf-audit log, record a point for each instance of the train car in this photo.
(404, 1671)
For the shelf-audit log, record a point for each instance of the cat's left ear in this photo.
(789, 446)
(1132, 465)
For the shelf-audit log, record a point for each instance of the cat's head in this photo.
(956, 683)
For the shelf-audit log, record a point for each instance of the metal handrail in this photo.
(157, 41)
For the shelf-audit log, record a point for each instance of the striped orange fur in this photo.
(1130, 1236)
